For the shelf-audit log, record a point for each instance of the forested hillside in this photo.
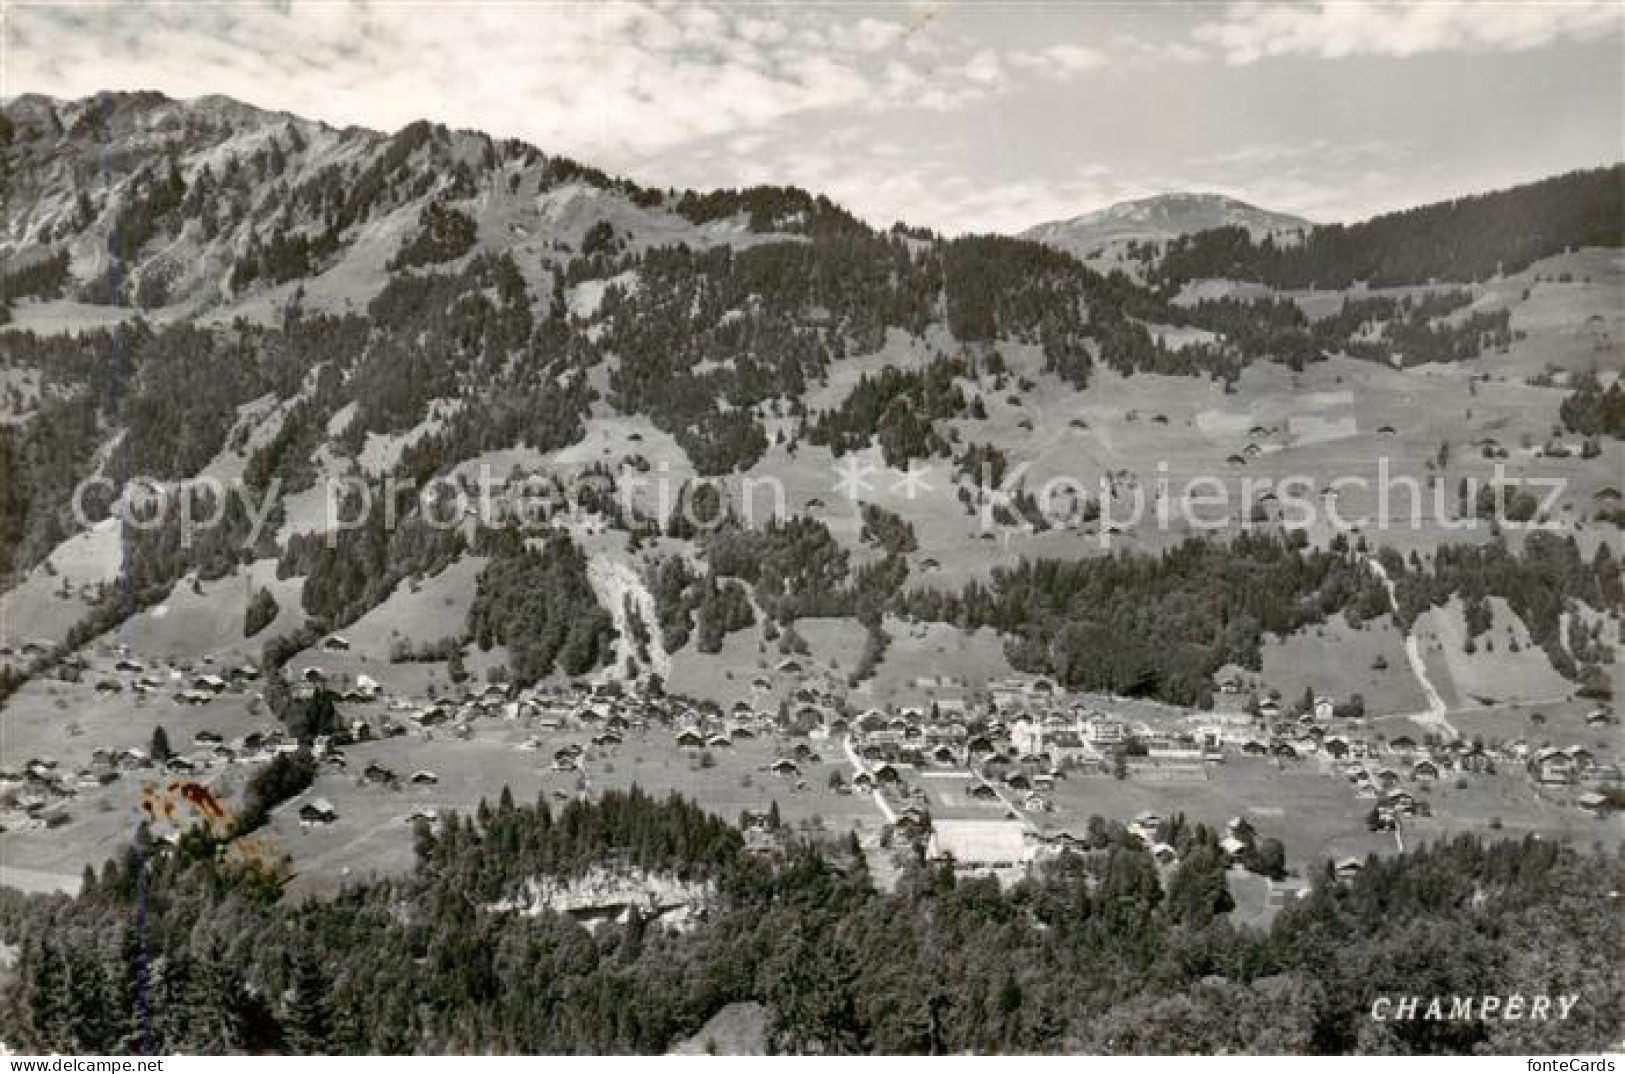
(1470, 238)
(401, 305)
(1091, 955)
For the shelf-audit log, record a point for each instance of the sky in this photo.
(957, 116)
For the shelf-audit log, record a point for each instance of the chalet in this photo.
(979, 746)
(317, 811)
(1593, 802)
(335, 643)
(424, 778)
(431, 716)
(377, 773)
(1145, 826)
(1348, 868)
(982, 792)
(1400, 803)
(1553, 766)
(1425, 770)
(1066, 841)
(786, 767)
(689, 738)
(1599, 718)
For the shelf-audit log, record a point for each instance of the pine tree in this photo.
(159, 749)
(46, 997)
(88, 1011)
(309, 1019)
(213, 994)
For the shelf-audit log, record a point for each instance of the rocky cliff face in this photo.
(608, 893)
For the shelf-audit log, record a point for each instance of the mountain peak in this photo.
(1104, 233)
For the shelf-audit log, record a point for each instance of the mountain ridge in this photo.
(1117, 231)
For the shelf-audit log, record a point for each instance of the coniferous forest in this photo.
(179, 950)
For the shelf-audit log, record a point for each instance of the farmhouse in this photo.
(317, 811)
(1593, 802)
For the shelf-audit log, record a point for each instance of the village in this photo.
(993, 781)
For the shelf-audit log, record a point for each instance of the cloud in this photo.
(1249, 32)
(610, 81)
(1059, 61)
